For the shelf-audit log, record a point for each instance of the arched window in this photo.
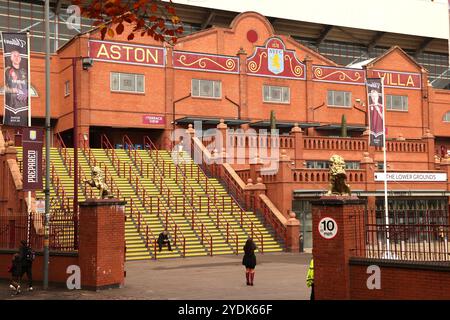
(446, 117)
(32, 90)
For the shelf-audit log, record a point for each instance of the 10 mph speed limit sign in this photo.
(328, 228)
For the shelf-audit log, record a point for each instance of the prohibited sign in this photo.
(328, 228)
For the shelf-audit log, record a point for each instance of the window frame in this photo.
(340, 106)
(397, 95)
(324, 164)
(282, 94)
(443, 118)
(127, 91)
(214, 82)
(67, 88)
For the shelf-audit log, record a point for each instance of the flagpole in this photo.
(386, 211)
(29, 125)
(47, 144)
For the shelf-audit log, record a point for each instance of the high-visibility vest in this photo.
(310, 275)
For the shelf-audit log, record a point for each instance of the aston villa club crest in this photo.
(33, 135)
(275, 60)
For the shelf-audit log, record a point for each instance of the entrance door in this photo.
(302, 209)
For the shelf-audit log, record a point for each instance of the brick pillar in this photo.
(281, 195)
(292, 234)
(222, 130)
(102, 243)
(243, 83)
(309, 92)
(297, 133)
(255, 167)
(190, 132)
(331, 256)
(429, 139)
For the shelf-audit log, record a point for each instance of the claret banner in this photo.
(32, 142)
(16, 55)
(375, 111)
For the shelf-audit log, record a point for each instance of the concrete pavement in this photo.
(279, 276)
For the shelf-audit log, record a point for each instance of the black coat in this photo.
(23, 252)
(249, 259)
(16, 267)
(163, 238)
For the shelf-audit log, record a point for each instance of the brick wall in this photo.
(57, 266)
(401, 280)
(331, 270)
(102, 257)
(338, 275)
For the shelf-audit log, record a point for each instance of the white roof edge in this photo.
(361, 64)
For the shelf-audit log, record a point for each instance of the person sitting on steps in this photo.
(163, 239)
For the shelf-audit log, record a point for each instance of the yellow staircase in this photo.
(197, 180)
(135, 241)
(193, 245)
(181, 193)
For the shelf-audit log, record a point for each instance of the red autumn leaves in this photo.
(147, 17)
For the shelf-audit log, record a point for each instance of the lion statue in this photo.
(337, 177)
(98, 182)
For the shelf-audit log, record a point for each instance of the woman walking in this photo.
(249, 261)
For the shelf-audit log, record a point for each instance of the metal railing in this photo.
(143, 194)
(166, 192)
(237, 196)
(113, 157)
(413, 235)
(143, 228)
(220, 221)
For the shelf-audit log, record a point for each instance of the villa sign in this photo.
(412, 176)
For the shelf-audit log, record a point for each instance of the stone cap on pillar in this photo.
(366, 158)
(258, 186)
(366, 132)
(190, 130)
(284, 157)
(428, 134)
(292, 220)
(222, 124)
(296, 128)
(102, 202)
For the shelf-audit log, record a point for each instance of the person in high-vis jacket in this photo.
(310, 278)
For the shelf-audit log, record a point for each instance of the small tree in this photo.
(343, 126)
(147, 17)
(273, 120)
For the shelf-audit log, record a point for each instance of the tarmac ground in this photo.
(279, 276)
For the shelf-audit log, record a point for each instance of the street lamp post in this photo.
(47, 143)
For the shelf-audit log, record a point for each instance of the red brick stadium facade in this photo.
(237, 57)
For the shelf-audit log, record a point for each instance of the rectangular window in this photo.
(446, 117)
(339, 98)
(276, 94)
(67, 88)
(127, 82)
(397, 103)
(318, 164)
(206, 88)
